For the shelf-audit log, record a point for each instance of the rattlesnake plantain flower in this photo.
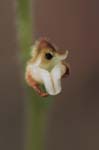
(46, 66)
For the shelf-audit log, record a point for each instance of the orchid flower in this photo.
(46, 67)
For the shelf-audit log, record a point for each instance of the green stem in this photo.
(38, 110)
(37, 106)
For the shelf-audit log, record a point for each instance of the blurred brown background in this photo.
(11, 91)
(73, 120)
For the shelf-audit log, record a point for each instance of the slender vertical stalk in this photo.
(37, 106)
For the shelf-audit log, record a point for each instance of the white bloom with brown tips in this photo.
(46, 67)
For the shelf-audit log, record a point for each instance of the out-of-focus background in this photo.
(73, 119)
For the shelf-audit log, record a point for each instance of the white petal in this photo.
(43, 76)
(47, 81)
(56, 75)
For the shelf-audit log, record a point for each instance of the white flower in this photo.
(46, 67)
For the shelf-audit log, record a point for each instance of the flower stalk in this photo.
(36, 106)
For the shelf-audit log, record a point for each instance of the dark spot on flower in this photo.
(48, 56)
